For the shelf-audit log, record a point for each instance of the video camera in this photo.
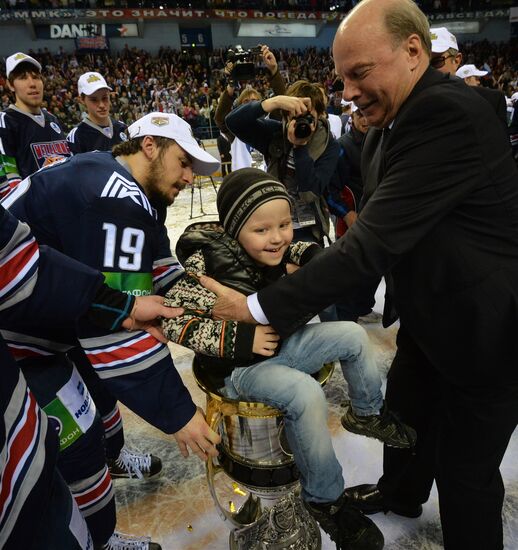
(244, 68)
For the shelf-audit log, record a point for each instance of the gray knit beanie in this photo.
(242, 193)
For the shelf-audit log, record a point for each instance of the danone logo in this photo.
(92, 78)
(159, 121)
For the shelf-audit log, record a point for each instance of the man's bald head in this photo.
(400, 18)
(381, 49)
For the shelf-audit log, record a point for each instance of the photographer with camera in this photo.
(232, 149)
(300, 151)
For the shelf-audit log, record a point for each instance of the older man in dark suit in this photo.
(442, 225)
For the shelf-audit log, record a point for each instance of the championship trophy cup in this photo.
(255, 455)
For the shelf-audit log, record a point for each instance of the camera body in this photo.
(303, 126)
(244, 68)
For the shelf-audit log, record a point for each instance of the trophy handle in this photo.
(250, 510)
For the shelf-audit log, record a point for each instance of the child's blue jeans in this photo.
(283, 382)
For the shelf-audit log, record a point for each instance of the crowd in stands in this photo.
(189, 83)
(428, 6)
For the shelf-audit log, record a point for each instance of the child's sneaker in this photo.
(347, 527)
(120, 541)
(132, 464)
(386, 427)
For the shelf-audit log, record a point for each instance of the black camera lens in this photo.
(303, 126)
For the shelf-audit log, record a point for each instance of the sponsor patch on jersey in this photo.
(160, 121)
(55, 127)
(123, 136)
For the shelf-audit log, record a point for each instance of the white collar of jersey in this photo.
(124, 164)
(39, 118)
(105, 130)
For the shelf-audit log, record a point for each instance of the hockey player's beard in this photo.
(157, 197)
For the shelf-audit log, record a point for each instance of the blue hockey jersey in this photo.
(27, 143)
(92, 209)
(29, 278)
(88, 136)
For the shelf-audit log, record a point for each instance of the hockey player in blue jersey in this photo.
(99, 208)
(38, 287)
(30, 137)
(98, 131)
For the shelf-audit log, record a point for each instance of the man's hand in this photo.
(266, 340)
(197, 436)
(269, 59)
(230, 305)
(145, 314)
(295, 106)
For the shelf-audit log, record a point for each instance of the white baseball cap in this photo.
(469, 70)
(89, 83)
(172, 126)
(442, 40)
(14, 60)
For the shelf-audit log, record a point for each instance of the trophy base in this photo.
(287, 525)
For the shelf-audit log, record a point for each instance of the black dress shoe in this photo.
(369, 500)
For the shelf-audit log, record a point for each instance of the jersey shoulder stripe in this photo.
(71, 135)
(120, 187)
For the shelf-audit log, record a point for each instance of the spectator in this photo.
(304, 163)
(470, 74)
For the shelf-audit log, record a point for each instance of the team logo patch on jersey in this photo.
(119, 187)
(123, 136)
(52, 160)
(50, 152)
(159, 121)
(55, 127)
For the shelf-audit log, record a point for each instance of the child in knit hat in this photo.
(251, 249)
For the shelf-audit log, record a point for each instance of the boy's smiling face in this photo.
(268, 232)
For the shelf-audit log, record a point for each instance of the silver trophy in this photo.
(255, 455)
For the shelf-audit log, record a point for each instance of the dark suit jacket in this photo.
(443, 221)
(496, 99)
